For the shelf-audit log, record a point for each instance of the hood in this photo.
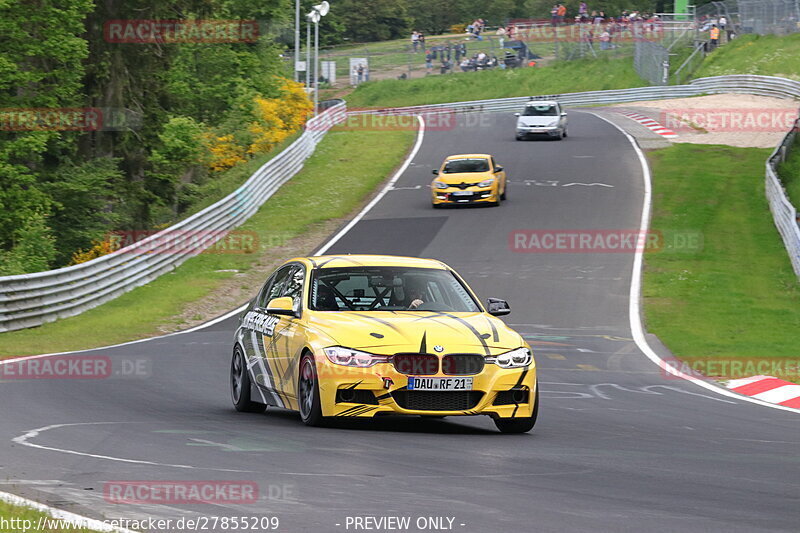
(464, 177)
(537, 121)
(387, 333)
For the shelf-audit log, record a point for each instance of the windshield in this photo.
(540, 111)
(389, 289)
(455, 166)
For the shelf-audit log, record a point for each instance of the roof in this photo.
(349, 260)
(468, 156)
(540, 102)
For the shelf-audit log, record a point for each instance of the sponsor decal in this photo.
(150, 31)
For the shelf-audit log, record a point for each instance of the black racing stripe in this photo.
(341, 258)
(380, 320)
(384, 396)
(366, 409)
(521, 377)
(516, 407)
(434, 319)
(473, 330)
(354, 385)
(347, 411)
(495, 335)
(313, 263)
(423, 346)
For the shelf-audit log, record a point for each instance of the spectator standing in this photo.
(562, 12)
(714, 34)
(501, 35)
(428, 60)
(360, 72)
(554, 15)
(415, 40)
(723, 24)
(605, 40)
(422, 40)
(583, 10)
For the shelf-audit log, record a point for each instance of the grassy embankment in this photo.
(737, 297)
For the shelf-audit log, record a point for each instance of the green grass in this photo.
(789, 172)
(344, 170)
(768, 55)
(566, 76)
(12, 512)
(736, 298)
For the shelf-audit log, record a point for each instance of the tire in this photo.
(308, 392)
(505, 189)
(519, 425)
(565, 133)
(241, 385)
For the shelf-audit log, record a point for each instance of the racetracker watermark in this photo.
(75, 367)
(69, 119)
(544, 32)
(732, 368)
(730, 120)
(604, 241)
(379, 119)
(188, 242)
(149, 31)
(181, 492)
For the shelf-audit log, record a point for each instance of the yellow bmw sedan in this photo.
(368, 335)
(469, 179)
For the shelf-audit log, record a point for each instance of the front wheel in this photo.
(308, 393)
(505, 189)
(240, 385)
(519, 425)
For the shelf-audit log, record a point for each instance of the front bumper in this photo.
(362, 392)
(554, 131)
(455, 196)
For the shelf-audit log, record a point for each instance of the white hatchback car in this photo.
(542, 117)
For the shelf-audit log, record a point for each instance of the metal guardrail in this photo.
(29, 300)
(783, 211)
(34, 299)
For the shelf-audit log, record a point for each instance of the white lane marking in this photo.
(190, 330)
(58, 514)
(634, 307)
(414, 188)
(589, 185)
(382, 193)
(25, 437)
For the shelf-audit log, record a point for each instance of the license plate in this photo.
(462, 193)
(443, 384)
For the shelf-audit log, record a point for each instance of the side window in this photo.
(272, 288)
(295, 281)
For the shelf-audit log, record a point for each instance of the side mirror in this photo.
(281, 306)
(516, 114)
(436, 171)
(563, 113)
(498, 168)
(498, 307)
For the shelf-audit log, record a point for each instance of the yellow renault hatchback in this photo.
(469, 179)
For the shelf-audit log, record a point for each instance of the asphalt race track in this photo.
(619, 446)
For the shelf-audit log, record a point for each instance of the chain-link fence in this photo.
(751, 16)
(651, 61)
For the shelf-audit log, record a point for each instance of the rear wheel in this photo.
(519, 425)
(240, 385)
(308, 393)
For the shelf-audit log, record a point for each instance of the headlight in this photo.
(440, 185)
(339, 355)
(553, 124)
(513, 359)
(486, 183)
